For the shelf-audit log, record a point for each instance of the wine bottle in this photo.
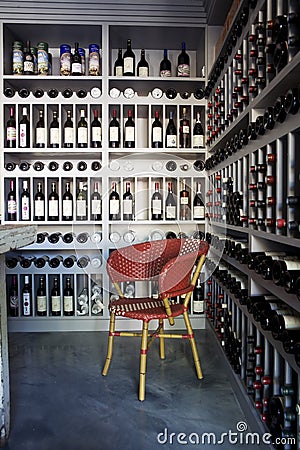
(183, 66)
(54, 136)
(119, 64)
(40, 131)
(157, 132)
(165, 69)
(129, 132)
(285, 320)
(9, 92)
(67, 203)
(53, 238)
(53, 199)
(12, 202)
(55, 261)
(289, 280)
(184, 130)
(13, 298)
(41, 237)
(83, 261)
(81, 203)
(114, 131)
(26, 298)
(198, 298)
(41, 261)
(171, 132)
(127, 203)
(185, 206)
(82, 238)
(82, 131)
(41, 298)
(96, 210)
(143, 66)
(280, 266)
(171, 213)
(55, 300)
(24, 130)
(68, 237)
(68, 131)
(68, 298)
(96, 131)
(28, 60)
(76, 61)
(198, 204)
(156, 204)
(11, 133)
(69, 261)
(25, 201)
(114, 203)
(39, 204)
(129, 60)
(198, 133)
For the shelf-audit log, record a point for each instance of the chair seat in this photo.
(145, 308)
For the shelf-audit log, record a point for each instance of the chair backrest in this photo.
(171, 261)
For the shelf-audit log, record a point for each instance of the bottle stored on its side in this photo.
(41, 298)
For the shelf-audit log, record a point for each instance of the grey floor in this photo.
(60, 401)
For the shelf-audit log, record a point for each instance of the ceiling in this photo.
(216, 10)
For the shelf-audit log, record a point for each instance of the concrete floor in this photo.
(60, 401)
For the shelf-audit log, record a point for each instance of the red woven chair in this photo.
(176, 264)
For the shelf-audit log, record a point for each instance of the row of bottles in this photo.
(47, 295)
(69, 199)
(40, 132)
(53, 262)
(269, 379)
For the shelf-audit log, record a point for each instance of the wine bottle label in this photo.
(23, 135)
(40, 136)
(53, 208)
(171, 141)
(165, 73)
(127, 206)
(156, 206)
(96, 134)
(186, 129)
(198, 140)
(13, 301)
(54, 136)
(41, 303)
(183, 70)
(81, 208)
(11, 206)
(128, 64)
(96, 207)
(119, 71)
(26, 304)
(277, 254)
(184, 200)
(11, 134)
(68, 303)
(143, 72)
(82, 135)
(25, 208)
(198, 306)
(171, 212)
(157, 134)
(114, 206)
(292, 264)
(291, 322)
(76, 67)
(67, 208)
(114, 134)
(28, 66)
(55, 303)
(68, 135)
(199, 212)
(39, 208)
(129, 134)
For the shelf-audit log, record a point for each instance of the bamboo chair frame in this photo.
(169, 263)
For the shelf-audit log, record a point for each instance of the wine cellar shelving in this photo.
(52, 162)
(252, 210)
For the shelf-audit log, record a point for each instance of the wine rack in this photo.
(251, 205)
(54, 97)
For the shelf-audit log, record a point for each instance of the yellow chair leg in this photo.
(161, 340)
(109, 345)
(143, 361)
(193, 345)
